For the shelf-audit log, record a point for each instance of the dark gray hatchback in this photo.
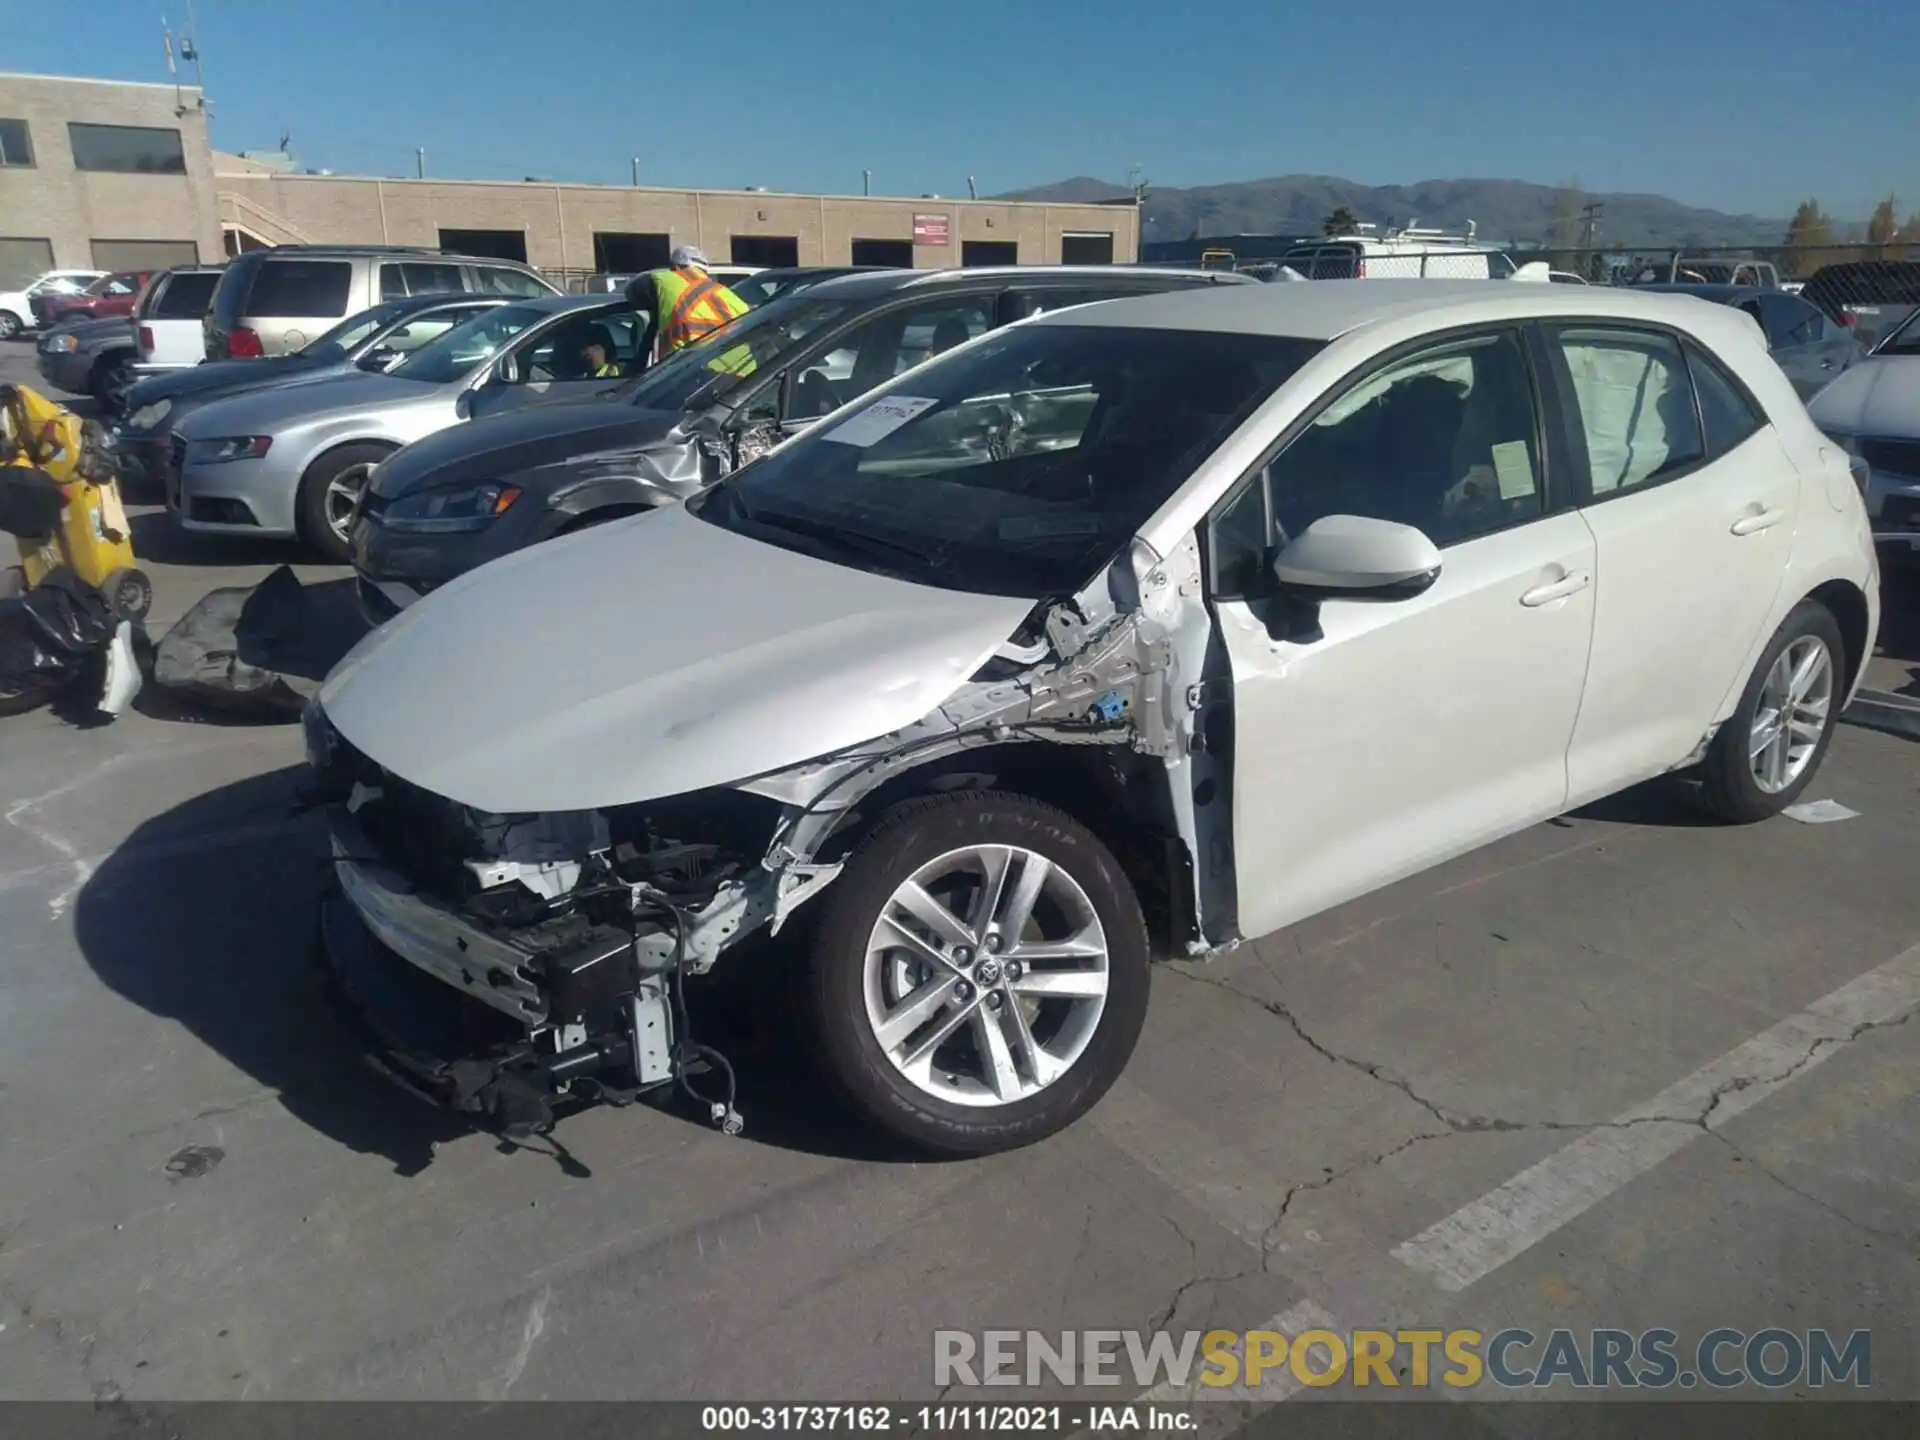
(474, 492)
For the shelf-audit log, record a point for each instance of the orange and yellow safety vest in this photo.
(691, 306)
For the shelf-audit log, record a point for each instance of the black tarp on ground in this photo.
(48, 637)
(262, 650)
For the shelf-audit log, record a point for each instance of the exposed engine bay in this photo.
(568, 935)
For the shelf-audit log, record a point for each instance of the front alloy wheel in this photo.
(979, 973)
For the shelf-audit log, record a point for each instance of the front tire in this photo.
(110, 381)
(10, 325)
(978, 977)
(328, 491)
(1771, 746)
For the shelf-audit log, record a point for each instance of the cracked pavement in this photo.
(204, 1194)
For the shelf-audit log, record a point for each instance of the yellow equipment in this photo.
(45, 447)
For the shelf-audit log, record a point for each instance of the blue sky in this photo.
(1744, 105)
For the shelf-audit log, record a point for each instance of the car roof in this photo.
(1327, 309)
(887, 282)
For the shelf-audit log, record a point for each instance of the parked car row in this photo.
(1050, 644)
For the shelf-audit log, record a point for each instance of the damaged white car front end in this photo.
(575, 777)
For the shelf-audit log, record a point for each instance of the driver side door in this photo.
(1391, 732)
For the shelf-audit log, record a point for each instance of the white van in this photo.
(1407, 253)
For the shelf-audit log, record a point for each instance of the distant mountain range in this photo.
(1513, 211)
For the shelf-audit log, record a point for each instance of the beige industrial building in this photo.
(122, 176)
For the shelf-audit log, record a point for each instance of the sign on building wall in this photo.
(930, 230)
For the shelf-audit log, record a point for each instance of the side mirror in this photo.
(1353, 556)
(463, 404)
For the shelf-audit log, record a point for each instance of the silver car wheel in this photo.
(343, 493)
(1790, 715)
(986, 975)
(9, 325)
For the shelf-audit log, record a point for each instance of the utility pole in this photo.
(1590, 222)
(866, 182)
(420, 161)
(636, 172)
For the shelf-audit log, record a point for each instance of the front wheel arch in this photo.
(321, 469)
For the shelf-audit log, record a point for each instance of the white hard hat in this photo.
(687, 255)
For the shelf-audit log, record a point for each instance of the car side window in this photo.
(1444, 441)
(432, 279)
(393, 284)
(1635, 406)
(593, 347)
(1727, 416)
(873, 353)
(121, 285)
(500, 280)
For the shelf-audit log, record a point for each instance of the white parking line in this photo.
(1506, 1222)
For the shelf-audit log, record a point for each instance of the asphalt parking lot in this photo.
(1623, 1070)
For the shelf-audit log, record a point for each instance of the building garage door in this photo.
(619, 252)
(989, 252)
(23, 261)
(897, 253)
(782, 250)
(144, 254)
(1086, 247)
(495, 244)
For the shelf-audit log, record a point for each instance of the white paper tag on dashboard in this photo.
(879, 420)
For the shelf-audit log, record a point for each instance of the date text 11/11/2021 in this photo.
(961, 1419)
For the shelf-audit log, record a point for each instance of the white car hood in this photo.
(650, 657)
(1878, 396)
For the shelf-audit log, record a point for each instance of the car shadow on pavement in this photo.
(205, 916)
(158, 541)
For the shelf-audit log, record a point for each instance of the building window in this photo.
(22, 261)
(16, 146)
(146, 255)
(989, 252)
(897, 253)
(1094, 247)
(127, 149)
(494, 244)
(617, 252)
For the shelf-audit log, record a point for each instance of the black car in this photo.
(472, 492)
(371, 340)
(1805, 343)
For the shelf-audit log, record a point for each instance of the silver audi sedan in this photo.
(291, 462)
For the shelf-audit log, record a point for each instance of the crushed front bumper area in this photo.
(469, 1021)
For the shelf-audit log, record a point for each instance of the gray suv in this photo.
(273, 301)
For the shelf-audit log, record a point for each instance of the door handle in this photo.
(1556, 590)
(1827, 364)
(1754, 524)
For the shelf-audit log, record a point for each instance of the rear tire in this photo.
(327, 492)
(1036, 1025)
(1771, 746)
(10, 325)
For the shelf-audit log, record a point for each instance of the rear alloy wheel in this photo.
(328, 493)
(10, 325)
(1771, 746)
(979, 977)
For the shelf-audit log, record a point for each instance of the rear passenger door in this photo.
(1692, 502)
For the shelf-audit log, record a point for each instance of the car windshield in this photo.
(1015, 467)
(454, 354)
(340, 340)
(758, 340)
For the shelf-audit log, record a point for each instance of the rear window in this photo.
(1323, 262)
(300, 289)
(185, 297)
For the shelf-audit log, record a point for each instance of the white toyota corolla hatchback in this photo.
(1138, 629)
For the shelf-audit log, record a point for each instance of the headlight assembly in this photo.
(230, 447)
(462, 507)
(62, 343)
(148, 417)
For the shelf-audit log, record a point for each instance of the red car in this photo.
(108, 296)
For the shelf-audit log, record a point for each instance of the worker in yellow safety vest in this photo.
(689, 304)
